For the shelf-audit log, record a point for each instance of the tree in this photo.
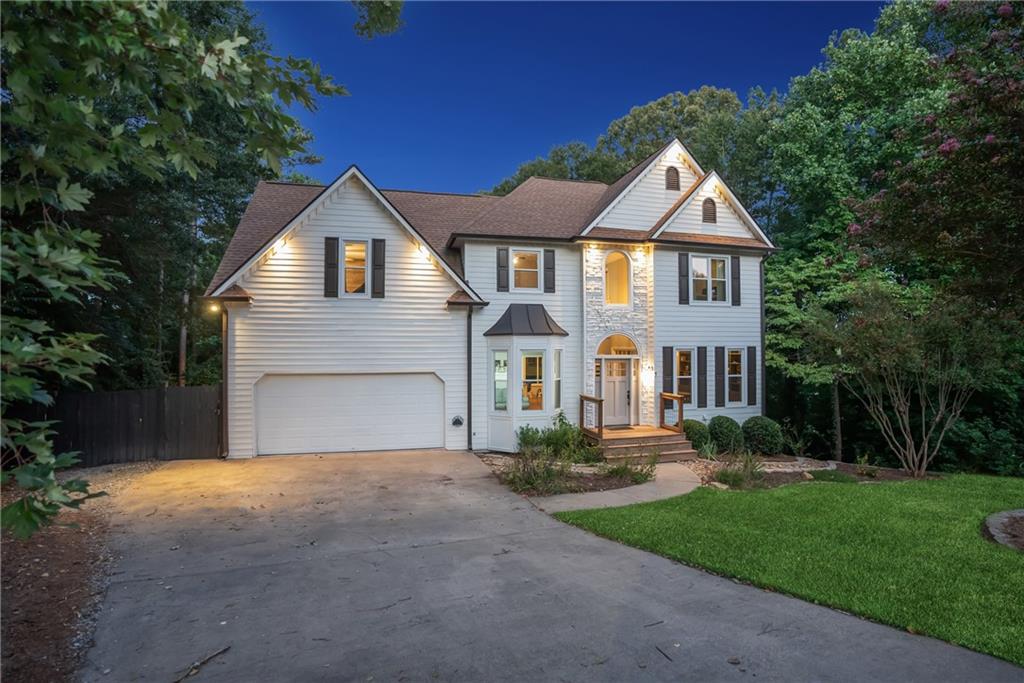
(911, 358)
(61, 65)
(572, 161)
(953, 213)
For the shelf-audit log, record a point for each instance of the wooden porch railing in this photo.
(678, 400)
(598, 432)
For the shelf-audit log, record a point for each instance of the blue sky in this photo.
(468, 91)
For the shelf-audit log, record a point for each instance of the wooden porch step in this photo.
(646, 445)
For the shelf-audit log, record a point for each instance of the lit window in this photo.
(616, 278)
(734, 375)
(709, 211)
(526, 269)
(557, 377)
(501, 380)
(684, 375)
(355, 267)
(708, 277)
(533, 380)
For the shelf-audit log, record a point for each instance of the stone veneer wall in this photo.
(636, 321)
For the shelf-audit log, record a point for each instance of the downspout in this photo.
(764, 377)
(469, 378)
(224, 381)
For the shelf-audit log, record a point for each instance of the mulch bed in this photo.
(582, 479)
(706, 469)
(50, 583)
(1014, 528)
(880, 473)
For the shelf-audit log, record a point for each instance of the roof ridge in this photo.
(450, 194)
(566, 180)
(286, 182)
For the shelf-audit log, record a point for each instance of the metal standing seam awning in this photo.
(526, 320)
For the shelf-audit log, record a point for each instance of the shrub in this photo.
(528, 437)
(536, 470)
(637, 472)
(564, 440)
(730, 477)
(864, 467)
(697, 432)
(796, 440)
(726, 432)
(708, 450)
(762, 435)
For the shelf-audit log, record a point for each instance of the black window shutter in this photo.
(549, 270)
(377, 263)
(502, 269)
(719, 376)
(684, 277)
(330, 266)
(668, 372)
(735, 280)
(702, 377)
(751, 375)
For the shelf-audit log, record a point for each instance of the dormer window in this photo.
(672, 178)
(616, 279)
(709, 211)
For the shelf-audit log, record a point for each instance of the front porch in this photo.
(637, 442)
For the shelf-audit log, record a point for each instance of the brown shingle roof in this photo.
(693, 238)
(273, 205)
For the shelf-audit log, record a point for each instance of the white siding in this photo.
(291, 328)
(564, 305)
(708, 325)
(728, 223)
(648, 200)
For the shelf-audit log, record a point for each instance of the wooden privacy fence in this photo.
(166, 423)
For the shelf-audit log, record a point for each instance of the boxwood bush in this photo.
(726, 433)
(763, 435)
(697, 432)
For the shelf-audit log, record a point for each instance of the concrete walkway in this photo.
(670, 479)
(420, 566)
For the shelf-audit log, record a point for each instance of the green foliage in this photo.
(726, 432)
(636, 472)
(864, 466)
(538, 471)
(762, 435)
(708, 450)
(744, 469)
(833, 476)
(909, 553)
(95, 94)
(697, 432)
(731, 477)
(795, 440)
(563, 439)
(378, 17)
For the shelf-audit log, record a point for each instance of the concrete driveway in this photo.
(420, 566)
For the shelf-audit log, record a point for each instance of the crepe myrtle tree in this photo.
(62, 65)
(912, 358)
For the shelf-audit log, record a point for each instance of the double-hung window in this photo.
(734, 375)
(709, 278)
(532, 367)
(356, 267)
(685, 375)
(526, 264)
(500, 379)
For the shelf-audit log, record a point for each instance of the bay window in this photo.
(532, 369)
(500, 380)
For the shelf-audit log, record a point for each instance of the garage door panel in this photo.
(357, 412)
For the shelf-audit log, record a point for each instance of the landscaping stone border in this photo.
(994, 526)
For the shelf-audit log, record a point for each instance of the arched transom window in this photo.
(617, 345)
(672, 178)
(616, 278)
(709, 211)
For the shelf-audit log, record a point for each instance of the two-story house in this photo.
(356, 318)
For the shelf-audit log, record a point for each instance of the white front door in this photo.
(615, 392)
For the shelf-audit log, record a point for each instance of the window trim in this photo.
(493, 382)
(728, 281)
(512, 251)
(693, 372)
(556, 378)
(367, 270)
(629, 279)
(742, 377)
(533, 353)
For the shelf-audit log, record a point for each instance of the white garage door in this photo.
(327, 413)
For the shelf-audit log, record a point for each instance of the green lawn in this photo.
(907, 554)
